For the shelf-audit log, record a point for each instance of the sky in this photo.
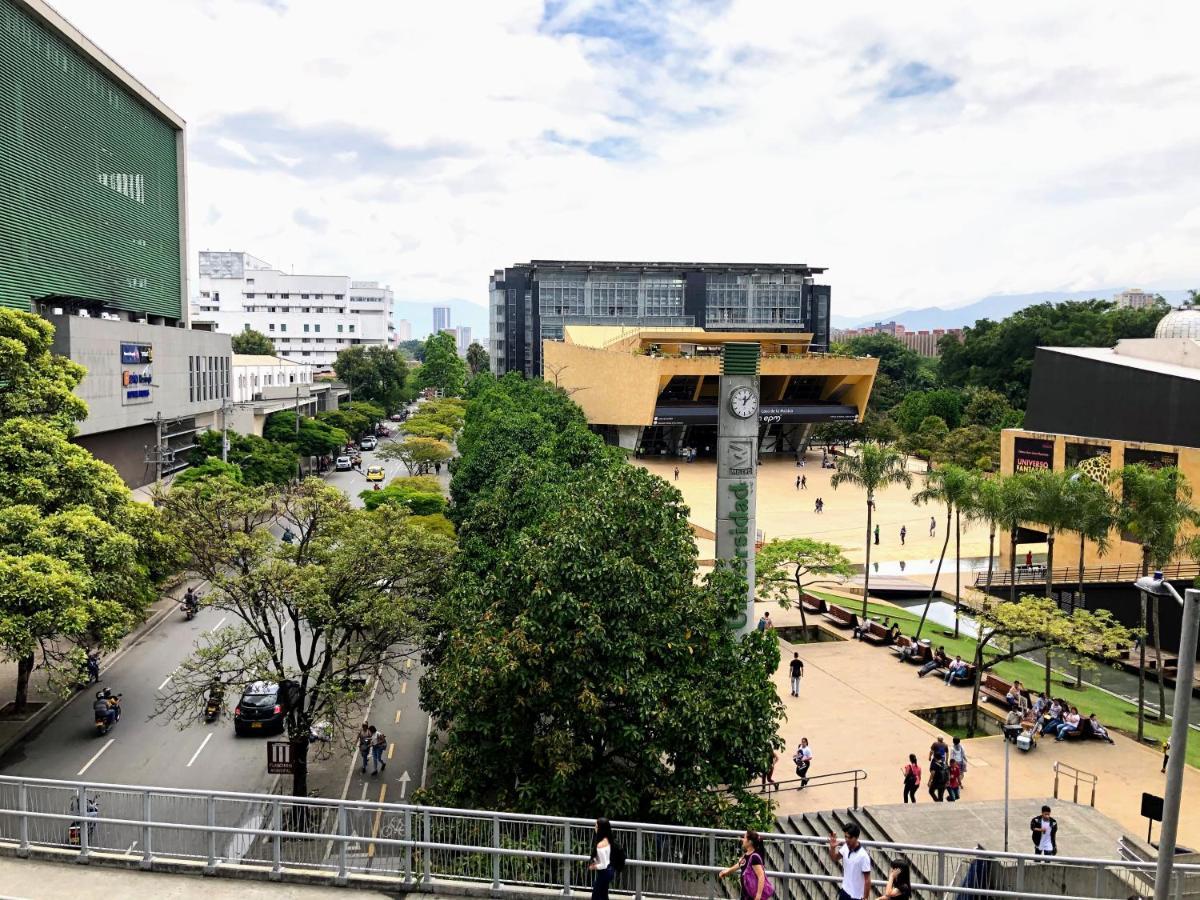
(927, 154)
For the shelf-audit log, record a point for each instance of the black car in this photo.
(260, 710)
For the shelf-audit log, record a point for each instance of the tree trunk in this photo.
(1012, 565)
(957, 569)
(1078, 604)
(24, 670)
(800, 602)
(991, 551)
(1158, 663)
(1049, 592)
(936, 575)
(974, 720)
(867, 567)
(1142, 651)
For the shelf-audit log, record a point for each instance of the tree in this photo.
(261, 461)
(420, 426)
(1094, 518)
(252, 343)
(35, 383)
(990, 409)
(419, 455)
(874, 467)
(549, 691)
(927, 440)
(310, 616)
(899, 370)
(1155, 505)
(953, 486)
(375, 373)
(987, 504)
(1017, 505)
(917, 406)
(210, 468)
(477, 359)
(1038, 623)
(356, 419)
(412, 349)
(1053, 505)
(442, 368)
(402, 493)
(972, 447)
(797, 563)
(313, 437)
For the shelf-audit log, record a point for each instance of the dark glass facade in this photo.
(533, 301)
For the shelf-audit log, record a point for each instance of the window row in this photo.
(208, 378)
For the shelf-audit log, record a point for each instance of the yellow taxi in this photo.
(375, 473)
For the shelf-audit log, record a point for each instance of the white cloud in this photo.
(925, 153)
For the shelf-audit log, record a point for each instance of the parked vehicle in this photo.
(343, 464)
(368, 443)
(259, 710)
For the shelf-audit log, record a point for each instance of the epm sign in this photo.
(136, 373)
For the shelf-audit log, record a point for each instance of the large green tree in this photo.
(477, 359)
(784, 565)
(442, 368)
(376, 373)
(420, 455)
(311, 437)
(252, 343)
(899, 373)
(34, 383)
(342, 604)
(873, 468)
(261, 461)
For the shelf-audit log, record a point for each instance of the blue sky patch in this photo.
(914, 79)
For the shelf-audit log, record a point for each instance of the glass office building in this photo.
(531, 302)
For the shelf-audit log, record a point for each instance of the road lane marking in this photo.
(168, 678)
(397, 717)
(364, 793)
(218, 625)
(96, 757)
(203, 743)
(404, 687)
(375, 824)
(391, 749)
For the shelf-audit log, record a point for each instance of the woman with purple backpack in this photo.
(751, 868)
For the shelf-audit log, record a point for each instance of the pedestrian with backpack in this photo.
(750, 867)
(803, 759)
(912, 779)
(607, 860)
(378, 745)
(939, 774)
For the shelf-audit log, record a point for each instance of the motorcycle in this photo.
(212, 707)
(103, 723)
(188, 610)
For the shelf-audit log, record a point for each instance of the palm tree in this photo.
(876, 466)
(987, 504)
(953, 486)
(1017, 504)
(1053, 502)
(1155, 504)
(1095, 516)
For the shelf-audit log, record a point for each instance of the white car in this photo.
(342, 464)
(368, 443)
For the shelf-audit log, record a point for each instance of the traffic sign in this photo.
(279, 758)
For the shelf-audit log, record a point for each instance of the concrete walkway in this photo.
(855, 708)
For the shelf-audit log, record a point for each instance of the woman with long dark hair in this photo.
(601, 862)
(899, 886)
(753, 854)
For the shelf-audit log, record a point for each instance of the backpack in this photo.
(617, 858)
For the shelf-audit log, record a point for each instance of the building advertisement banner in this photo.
(136, 373)
(1033, 455)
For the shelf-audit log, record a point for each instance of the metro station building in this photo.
(653, 390)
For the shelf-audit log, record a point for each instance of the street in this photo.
(156, 753)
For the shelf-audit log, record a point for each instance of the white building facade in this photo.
(1134, 298)
(403, 331)
(308, 318)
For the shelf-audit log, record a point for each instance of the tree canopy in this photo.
(261, 461)
(477, 359)
(419, 455)
(315, 437)
(34, 382)
(442, 368)
(252, 343)
(375, 373)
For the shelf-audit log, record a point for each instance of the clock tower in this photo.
(737, 466)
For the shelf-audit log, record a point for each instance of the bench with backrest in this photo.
(812, 604)
(843, 618)
(1083, 731)
(994, 688)
(968, 679)
(921, 654)
(877, 634)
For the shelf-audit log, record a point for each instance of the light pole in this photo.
(1188, 633)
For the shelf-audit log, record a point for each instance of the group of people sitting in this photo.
(1047, 716)
(957, 669)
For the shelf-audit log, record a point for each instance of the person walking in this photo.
(750, 867)
(803, 759)
(932, 526)
(798, 477)
(1029, 559)
(93, 666)
(939, 774)
(365, 736)
(677, 473)
(378, 745)
(903, 535)
(912, 779)
(876, 534)
(768, 778)
(804, 482)
(796, 667)
(765, 622)
(958, 754)
(953, 781)
(855, 862)
(601, 860)
(1044, 830)
(1166, 755)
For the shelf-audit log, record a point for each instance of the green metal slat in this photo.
(739, 359)
(64, 125)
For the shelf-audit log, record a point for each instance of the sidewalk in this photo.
(12, 731)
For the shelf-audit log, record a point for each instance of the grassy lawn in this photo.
(1112, 711)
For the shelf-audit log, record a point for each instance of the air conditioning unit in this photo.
(57, 311)
(143, 321)
(84, 314)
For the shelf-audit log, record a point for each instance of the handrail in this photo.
(821, 779)
(1076, 775)
(1068, 575)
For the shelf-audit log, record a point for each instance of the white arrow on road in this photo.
(404, 780)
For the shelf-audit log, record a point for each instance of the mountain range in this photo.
(994, 307)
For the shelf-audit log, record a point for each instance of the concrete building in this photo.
(923, 343)
(403, 331)
(464, 339)
(267, 384)
(308, 318)
(654, 390)
(441, 319)
(534, 301)
(1134, 298)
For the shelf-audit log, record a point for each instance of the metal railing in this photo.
(1073, 776)
(821, 779)
(1068, 575)
(408, 847)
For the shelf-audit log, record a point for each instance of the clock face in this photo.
(743, 402)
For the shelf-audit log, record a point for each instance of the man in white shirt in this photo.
(855, 862)
(1045, 833)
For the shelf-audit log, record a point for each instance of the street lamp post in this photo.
(1188, 634)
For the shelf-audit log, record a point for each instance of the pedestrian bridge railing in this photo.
(409, 847)
(1073, 776)
(822, 779)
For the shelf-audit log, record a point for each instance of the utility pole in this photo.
(225, 405)
(299, 457)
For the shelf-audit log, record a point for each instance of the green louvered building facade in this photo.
(91, 204)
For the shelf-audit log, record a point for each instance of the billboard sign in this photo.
(136, 373)
(1033, 455)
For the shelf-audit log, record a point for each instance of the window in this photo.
(614, 296)
(317, 328)
(204, 294)
(304, 296)
(285, 296)
(339, 296)
(352, 329)
(271, 327)
(217, 295)
(727, 298)
(272, 309)
(305, 353)
(283, 326)
(250, 295)
(191, 379)
(270, 296)
(339, 329)
(562, 296)
(319, 296)
(306, 309)
(664, 296)
(249, 281)
(306, 328)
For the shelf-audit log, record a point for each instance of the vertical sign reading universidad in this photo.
(737, 466)
(136, 373)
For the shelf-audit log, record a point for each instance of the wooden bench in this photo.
(812, 604)
(843, 618)
(877, 634)
(994, 688)
(920, 655)
(968, 679)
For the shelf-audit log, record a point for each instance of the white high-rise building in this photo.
(441, 319)
(464, 339)
(308, 318)
(403, 331)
